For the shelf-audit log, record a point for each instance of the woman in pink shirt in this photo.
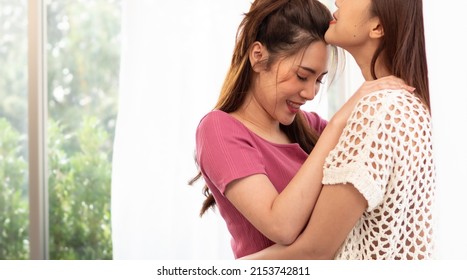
(251, 147)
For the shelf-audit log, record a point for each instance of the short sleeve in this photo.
(315, 121)
(363, 155)
(225, 150)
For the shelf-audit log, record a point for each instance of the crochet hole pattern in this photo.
(385, 152)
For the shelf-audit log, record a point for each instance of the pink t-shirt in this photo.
(227, 150)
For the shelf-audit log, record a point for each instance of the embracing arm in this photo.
(357, 173)
(282, 217)
(336, 212)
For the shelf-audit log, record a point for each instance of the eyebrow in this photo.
(313, 71)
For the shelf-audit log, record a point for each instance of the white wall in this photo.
(445, 34)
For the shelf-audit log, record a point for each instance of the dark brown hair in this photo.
(284, 27)
(402, 47)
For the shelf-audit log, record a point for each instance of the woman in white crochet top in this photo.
(379, 181)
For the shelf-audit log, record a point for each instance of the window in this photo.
(13, 131)
(63, 210)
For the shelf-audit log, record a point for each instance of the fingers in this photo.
(388, 82)
(393, 82)
(408, 88)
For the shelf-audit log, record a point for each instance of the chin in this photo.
(288, 122)
(329, 37)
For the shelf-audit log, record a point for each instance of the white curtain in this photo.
(447, 61)
(174, 58)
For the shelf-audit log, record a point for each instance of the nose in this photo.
(308, 93)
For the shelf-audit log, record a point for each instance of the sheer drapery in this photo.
(447, 62)
(174, 58)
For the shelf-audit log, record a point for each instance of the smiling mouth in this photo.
(294, 105)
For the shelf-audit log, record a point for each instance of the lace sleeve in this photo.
(386, 152)
(363, 155)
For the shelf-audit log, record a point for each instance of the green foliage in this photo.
(79, 187)
(13, 61)
(13, 196)
(83, 66)
(83, 61)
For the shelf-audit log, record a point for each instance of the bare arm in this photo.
(335, 214)
(281, 217)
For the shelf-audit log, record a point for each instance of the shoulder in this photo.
(217, 119)
(390, 103)
(215, 116)
(394, 98)
(219, 126)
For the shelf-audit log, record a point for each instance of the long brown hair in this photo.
(402, 47)
(285, 27)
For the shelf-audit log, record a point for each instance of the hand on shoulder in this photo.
(368, 87)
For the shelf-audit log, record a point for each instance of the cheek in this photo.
(286, 83)
(289, 88)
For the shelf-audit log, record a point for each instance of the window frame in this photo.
(37, 122)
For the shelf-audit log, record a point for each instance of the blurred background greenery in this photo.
(83, 57)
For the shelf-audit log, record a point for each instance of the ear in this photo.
(377, 30)
(257, 54)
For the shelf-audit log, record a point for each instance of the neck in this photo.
(256, 118)
(363, 59)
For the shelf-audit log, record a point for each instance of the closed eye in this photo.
(312, 71)
(304, 79)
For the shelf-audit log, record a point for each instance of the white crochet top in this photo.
(385, 151)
